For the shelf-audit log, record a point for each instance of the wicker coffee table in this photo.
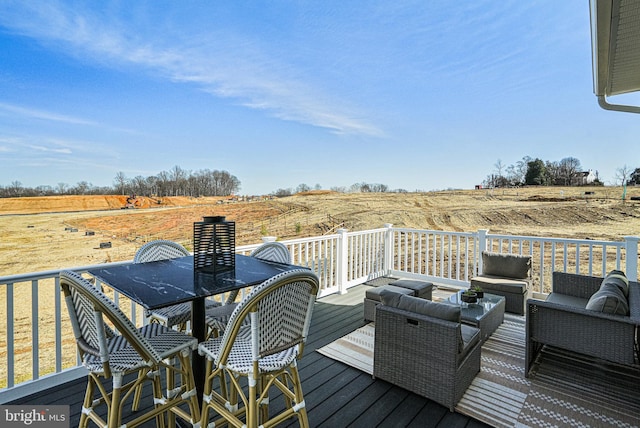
(487, 313)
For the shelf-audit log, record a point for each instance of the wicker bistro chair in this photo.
(218, 317)
(279, 312)
(110, 354)
(176, 315)
(421, 346)
(272, 251)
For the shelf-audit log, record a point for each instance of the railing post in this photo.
(631, 254)
(387, 263)
(342, 265)
(266, 239)
(482, 246)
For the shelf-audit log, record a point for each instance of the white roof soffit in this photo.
(615, 43)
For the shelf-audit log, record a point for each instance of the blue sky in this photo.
(418, 95)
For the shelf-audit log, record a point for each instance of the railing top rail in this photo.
(367, 232)
(435, 232)
(559, 240)
(310, 239)
(9, 279)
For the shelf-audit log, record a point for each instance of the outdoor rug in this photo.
(566, 389)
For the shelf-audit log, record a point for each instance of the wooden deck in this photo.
(336, 395)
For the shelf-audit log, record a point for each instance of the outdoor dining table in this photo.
(168, 282)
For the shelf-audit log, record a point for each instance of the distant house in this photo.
(583, 178)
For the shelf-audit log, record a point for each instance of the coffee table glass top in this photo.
(475, 311)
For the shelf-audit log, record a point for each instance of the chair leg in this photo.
(115, 413)
(138, 394)
(263, 405)
(208, 387)
(87, 404)
(189, 381)
(299, 407)
(171, 417)
(285, 381)
(252, 403)
(157, 393)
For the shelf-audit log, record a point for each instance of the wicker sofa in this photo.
(421, 346)
(570, 320)
(507, 275)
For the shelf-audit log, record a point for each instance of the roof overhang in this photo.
(615, 43)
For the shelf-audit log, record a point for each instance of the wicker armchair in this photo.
(218, 317)
(434, 355)
(110, 355)
(175, 315)
(564, 322)
(507, 275)
(279, 313)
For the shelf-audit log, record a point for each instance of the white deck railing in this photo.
(39, 349)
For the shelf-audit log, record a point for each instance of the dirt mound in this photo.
(539, 198)
(58, 204)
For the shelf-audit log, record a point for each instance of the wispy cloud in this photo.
(37, 146)
(43, 115)
(223, 65)
(49, 149)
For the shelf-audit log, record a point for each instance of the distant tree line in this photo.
(529, 171)
(175, 182)
(17, 190)
(179, 182)
(354, 188)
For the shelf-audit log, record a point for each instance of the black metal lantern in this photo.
(214, 244)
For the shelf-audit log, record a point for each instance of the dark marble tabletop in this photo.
(167, 282)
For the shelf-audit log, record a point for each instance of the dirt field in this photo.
(54, 232)
(39, 234)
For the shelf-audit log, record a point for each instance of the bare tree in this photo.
(499, 166)
(178, 175)
(623, 174)
(282, 193)
(553, 173)
(81, 188)
(163, 181)
(302, 188)
(120, 181)
(521, 167)
(139, 185)
(569, 168)
(61, 188)
(16, 189)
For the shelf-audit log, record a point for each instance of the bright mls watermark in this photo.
(34, 416)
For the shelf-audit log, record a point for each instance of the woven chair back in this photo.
(88, 306)
(159, 250)
(279, 310)
(272, 251)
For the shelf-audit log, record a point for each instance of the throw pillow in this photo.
(609, 299)
(618, 278)
(506, 265)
